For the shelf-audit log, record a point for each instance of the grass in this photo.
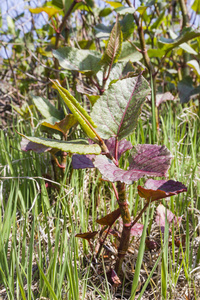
(39, 254)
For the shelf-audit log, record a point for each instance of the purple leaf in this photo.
(159, 189)
(26, 145)
(149, 160)
(123, 146)
(136, 230)
(82, 161)
(160, 216)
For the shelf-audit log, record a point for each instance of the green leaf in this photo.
(105, 12)
(158, 21)
(183, 46)
(117, 110)
(127, 26)
(187, 34)
(77, 110)
(46, 109)
(49, 10)
(63, 125)
(114, 46)
(122, 10)
(114, 4)
(186, 89)
(196, 6)
(78, 59)
(195, 66)
(155, 53)
(79, 146)
(129, 52)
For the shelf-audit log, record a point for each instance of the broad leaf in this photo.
(122, 146)
(129, 52)
(78, 59)
(146, 160)
(122, 10)
(110, 218)
(116, 112)
(156, 53)
(114, 46)
(183, 46)
(63, 125)
(160, 216)
(160, 98)
(26, 145)
(82, 161)
(77, 110)
(186, 89)
(187, 34)
(115, 4)
(77, 146)
(46, 109)
(159, 189)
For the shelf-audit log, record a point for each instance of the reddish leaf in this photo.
(159, 189)
(87, 235)
(123, 146)
(160, 216)
(149, 160)
(110, 218)
(136, 230)
(113, 278)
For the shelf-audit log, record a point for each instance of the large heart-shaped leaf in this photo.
(117, 110)
(159, 189)
(77, 146)
(78, 59)
(146, 160)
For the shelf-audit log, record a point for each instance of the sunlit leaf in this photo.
(110, 218)
(159, 189)
(79, 146)
(49, 10)
(195, 66)
(114, 46)
(122, 10)
(78, 59)
(188, 33)
(116, 112)
(196, 6)
(129, 52)
(27, 145)
(63, 125)
(77, 110)
(114, 4)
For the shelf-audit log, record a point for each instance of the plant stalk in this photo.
(126, 217)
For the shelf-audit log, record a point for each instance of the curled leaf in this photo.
(159, 189)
